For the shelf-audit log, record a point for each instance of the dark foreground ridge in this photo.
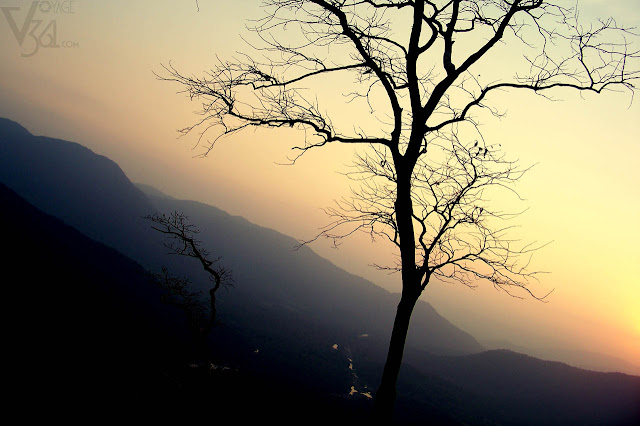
(89, 335)
(91, 339)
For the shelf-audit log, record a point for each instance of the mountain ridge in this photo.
(304, 265)
(93, 194)
(284, 316)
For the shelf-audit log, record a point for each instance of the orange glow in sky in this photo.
(582, 195)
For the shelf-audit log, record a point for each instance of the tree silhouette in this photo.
(422, 69)
(182, 241)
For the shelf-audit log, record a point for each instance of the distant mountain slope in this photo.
(501, 387)
(150, 190)
(84, 314)
(85, 190)
(92, 194)
(301, 281)
(578, 358)
(519, 389)
(87, 337)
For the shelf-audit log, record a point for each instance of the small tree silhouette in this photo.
(182, 241)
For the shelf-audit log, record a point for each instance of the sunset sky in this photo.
(582, 195)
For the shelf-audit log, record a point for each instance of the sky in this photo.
(99, 89)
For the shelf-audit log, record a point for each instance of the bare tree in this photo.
(423, 70)
(182, 241)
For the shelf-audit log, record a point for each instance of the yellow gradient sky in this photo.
(98, 89)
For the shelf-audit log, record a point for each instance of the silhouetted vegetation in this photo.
(87, 336)
(427, 171)
(182, 241)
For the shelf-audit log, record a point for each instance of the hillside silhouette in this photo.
(91, 338)
(295, 327)
(92, 194)
(82, 319)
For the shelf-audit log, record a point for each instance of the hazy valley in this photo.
(297, 333)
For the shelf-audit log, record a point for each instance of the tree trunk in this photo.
(386, 394)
